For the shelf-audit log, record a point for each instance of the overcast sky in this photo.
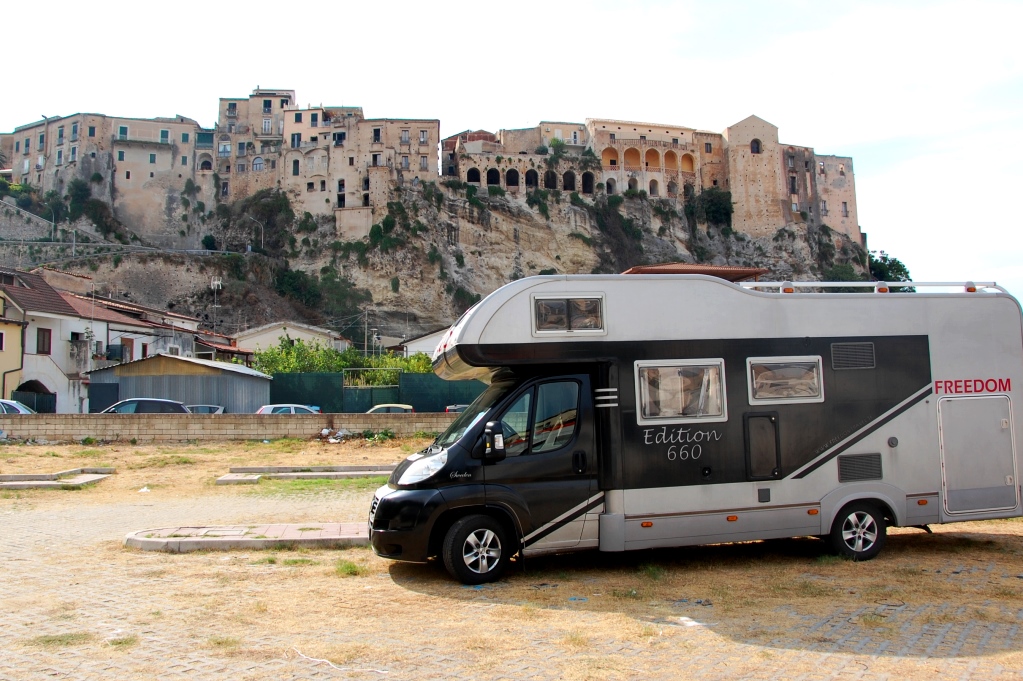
(927, 97)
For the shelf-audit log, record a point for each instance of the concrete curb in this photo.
(248, 537)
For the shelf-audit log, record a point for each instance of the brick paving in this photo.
(40, 547)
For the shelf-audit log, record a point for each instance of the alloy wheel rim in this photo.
(481, 551)
(859, 531)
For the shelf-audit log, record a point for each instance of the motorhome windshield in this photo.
(474, 412)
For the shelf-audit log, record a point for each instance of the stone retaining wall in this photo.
(171, 427)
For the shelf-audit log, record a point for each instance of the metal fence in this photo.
(425, 392)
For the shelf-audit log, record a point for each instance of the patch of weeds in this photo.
(316, 485)
(298, 561)
(76, 638)
(55, 454)
(309, 529)
(223, 641)
(576, 640)
(813, 590)
(123, 642)
(346, 568)
(266, 560)
(133, 441)
(651, 571)
(88, 441)
(89, 453)
(164, 461)
(828, 559)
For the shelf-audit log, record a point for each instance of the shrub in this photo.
(494, 190)
(395, 284)
(209, 242)
(97, 178)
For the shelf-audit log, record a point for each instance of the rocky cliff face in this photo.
(438, 249)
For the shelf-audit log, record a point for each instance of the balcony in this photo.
(125, 139)
(232, 113)
(224, 154)
(649, 143)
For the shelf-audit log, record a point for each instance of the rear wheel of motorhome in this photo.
(858, 532)
(476, 550)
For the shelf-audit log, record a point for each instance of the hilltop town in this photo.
(321, 215)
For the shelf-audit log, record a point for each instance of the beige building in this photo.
(270, 336)
(139, 166)
(11, 339)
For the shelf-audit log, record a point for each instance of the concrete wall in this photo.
(209, 427)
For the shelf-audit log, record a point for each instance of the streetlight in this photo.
(260, 231)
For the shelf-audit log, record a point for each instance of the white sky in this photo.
(927, 97)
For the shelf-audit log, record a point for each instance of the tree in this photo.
(79, 193)
(884, 267)
(209, 242)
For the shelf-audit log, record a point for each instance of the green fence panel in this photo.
(430, 393)
(320, 389)
(425, 392)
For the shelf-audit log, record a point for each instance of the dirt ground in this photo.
(939, 605)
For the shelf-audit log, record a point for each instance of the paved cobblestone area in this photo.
(63, 570)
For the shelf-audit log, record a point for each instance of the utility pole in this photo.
(365, 331)
(216, 283)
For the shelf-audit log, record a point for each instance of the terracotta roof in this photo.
(36, 295)
(223, 348)
(134, 307)
(727, 273)
(90, 310)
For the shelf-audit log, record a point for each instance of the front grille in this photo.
(373, 510)
(859, 467)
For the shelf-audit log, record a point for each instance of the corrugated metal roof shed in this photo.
(237, 388)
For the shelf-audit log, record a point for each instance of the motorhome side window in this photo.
(569, 314)
(542, 419)
(677, 391)
(778, 380)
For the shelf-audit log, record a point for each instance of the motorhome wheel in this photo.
(476, 550)
(858, 532)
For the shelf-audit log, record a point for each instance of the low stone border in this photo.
(240, 537)
(251, 475)
(74, 478)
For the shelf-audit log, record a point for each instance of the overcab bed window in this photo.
(681, 391)
(583, 314)
(783, 380)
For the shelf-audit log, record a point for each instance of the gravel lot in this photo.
(77, 605)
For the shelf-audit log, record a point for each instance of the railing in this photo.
(74, 138)
(686, 175)
(232, 113)
(653, 169)
(141, 140)
(224, 154)
(824, 212)
(632, 168)
(671, 175)
(611, 166)
(651, 143)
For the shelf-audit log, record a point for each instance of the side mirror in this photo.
(493, 438)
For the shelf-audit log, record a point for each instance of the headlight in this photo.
(423, 469)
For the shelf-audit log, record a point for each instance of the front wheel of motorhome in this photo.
(858, 532)
(476, 549)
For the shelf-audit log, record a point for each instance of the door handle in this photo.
(579, 461)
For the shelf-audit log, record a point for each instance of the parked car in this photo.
(15, 407)
(205, 408)
(146, 405)
(288, 409)
(455, 408)
(391, 409)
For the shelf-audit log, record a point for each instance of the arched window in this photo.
(473, 175)
(672, 190)
(568, 180)
(494, 176)
(652, 160)
(257, 164)
(206, 165)
(587, 183)
(633, 184)
(550, 180)
(609, 186)
(632, 161)
(754, 147)
(294, 167)
(609, 157)
(511, 178)
(688, 165)
(653, 187)
(532, 179)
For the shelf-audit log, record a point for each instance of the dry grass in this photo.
(355, 609)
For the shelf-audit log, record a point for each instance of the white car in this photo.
(15, 407)
(205, 408)
(288, 409)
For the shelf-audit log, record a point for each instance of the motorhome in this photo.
(636, 411)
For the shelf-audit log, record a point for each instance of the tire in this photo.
(477, 549)
(858, 532)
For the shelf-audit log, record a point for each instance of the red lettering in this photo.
(967, 386)
(1004, 384)
(990, 385)
(948, 387)
(958, 387)
(937, 387)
